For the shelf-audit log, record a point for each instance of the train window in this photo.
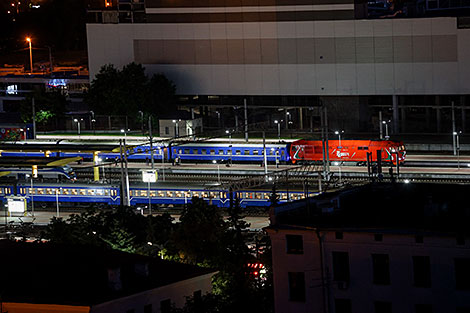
(161, 193)
(195, 194)
(213, 194)
(30, 191)
(40, 191)
(99, 192)
(249, 195)
(131, 193)
(180, 151)
(169, 194)
(74, 192)
(258, 195)
(255, 152)
(186, 151)
(65, 191)
(139, 150)
(246, 152)
(143, 193)
(239, 195)
(49, 191)
(360, 148)
(238, 152)
(187, 194)
(266, 196)
(203, 151)
(204, 194)
(153, 193)
(178, 194)
(283, 196)
(1, 191)
(282, 152)
(212, 152)
(82, 192)
(113, 192)
(90, 192)
(106, 192)
(221, 152)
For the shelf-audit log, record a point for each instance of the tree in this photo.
(48, 105)
(197, 237)
(127, 91)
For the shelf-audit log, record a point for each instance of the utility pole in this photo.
(123, 187)
(264, 156)
(380, 125)
(128, 202)
(246, 120)
(151, 142)
(326, 140)
(453, 129)
(34, 119)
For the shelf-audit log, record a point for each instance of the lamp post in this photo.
(93, 121)
(338, 132)
(218, 169)
(142, 118)
(31, 194)
(386, 129)
(57, 191)
(176, 128)
(78, 121)
(28, 39)
(125, 133)
(230, 147)
(278, 129)
(456, 134)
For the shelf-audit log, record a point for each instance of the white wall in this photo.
(353, 57)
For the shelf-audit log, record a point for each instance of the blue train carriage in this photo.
(209, 152)
(70, 193)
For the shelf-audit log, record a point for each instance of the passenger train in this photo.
(293, 152)
(160, 194)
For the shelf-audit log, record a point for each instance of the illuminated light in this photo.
(12, 4)
(255, 273)
(406, 181)
(35, 171)
(28, 39)
(149, 243)
(56, 82)
(12, 90)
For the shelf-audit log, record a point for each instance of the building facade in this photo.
(298, 54)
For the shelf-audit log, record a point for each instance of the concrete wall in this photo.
(336, 57)
(442, 250)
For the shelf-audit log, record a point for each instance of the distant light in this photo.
(336, 132)
(75, 120)
(455, 133)
(149, 243)
(336, 163)
(28, 39)
(406, 181)
(227, 132)
(36, 6)
(122, 130)
(214, 161)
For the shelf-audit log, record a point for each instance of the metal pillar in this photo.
(151, 142)
(438, 115)
(246, 119)
(301, 119)
(34, 118)
(453, 128)
(395, 114)
(464, 115)
(380, 126)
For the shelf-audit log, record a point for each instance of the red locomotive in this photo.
(347, 150)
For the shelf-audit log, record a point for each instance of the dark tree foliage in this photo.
(118, 228)
(127, 91)
(274, 197)
(197, 238)
(49, 105)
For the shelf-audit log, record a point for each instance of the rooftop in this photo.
(81, 275)
(407, 207)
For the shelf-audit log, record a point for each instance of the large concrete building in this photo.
(373, 249)
(299, 53)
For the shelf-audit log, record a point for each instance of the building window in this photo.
(383, 307)
(419, 239)
(167, 130)
(295, 244)
(296, 286)
(423, 308)
(378, 237)
(339, 235)
(381, 269)
(462, 273)
(165, 306)
(343, 306)
(421, 271)
(148, 308)
(340, 266)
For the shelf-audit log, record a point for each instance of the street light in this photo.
(78, 121)
(230, 147)
(142, 118)
(456, 134)
(125, 133)
(31, 194)
(176, 128)
(93, 121)
(218, 169)
(57, 191)
(339, 137)
(28, 39)
(99, 162)
(278, 129)
(386, 128)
